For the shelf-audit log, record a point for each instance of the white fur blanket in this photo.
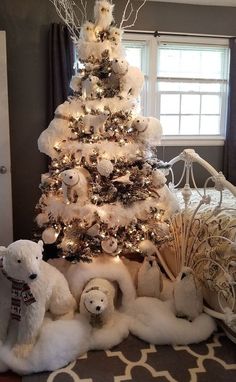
(150, 319)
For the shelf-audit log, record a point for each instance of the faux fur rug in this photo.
(137, 361)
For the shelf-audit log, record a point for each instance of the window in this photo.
(186, 84)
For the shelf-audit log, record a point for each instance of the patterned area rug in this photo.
(137, 361)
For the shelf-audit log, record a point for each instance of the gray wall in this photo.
(26, 23)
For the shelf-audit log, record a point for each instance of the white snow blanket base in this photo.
(150, 319)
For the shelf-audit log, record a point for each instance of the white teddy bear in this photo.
(131, 78)
(97, 301)
(149, 130)
(103, 14)
(74, 185)
(28, 288)
(94, 124)
(90, 87)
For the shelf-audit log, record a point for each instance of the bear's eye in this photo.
(37, 258)
(91, 302)
(102, 300)
(19, 261)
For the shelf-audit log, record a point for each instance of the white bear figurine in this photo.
(149, 130)
(131, 78)
(87, 32)
(90, 87)
(97, 301)
(94, 304)
(74, 185)
(103, 14)
(94, 123)
(36, 286)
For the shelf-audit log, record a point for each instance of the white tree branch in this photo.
(71, 14)
(135, 17)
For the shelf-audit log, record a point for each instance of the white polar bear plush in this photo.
(94, 124)
(74, 185)
(131, 78)
(87, 32)
(90, 87)
(28, 288)
(149, 130)
(97, 301)
(103, 15)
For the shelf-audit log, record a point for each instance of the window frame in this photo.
(153, 98)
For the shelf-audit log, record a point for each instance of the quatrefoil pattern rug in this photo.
(137, 361)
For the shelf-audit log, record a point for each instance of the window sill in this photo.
(193, 140)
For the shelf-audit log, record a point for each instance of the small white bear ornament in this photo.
(149, 130)
(131, 78)
(90, 87)
(94, 124)
(74, 185)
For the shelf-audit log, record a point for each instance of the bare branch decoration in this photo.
(72, 14)
(126, 17)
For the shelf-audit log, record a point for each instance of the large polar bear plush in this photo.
(28, 288)
(131, 78)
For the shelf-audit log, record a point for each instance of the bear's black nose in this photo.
(98, 308)
(71, 177)
(183, 276)
(33, 276)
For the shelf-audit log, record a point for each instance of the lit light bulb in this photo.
(117, 259)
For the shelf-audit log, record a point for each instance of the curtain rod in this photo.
(162, 33)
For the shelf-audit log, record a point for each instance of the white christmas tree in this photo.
(105, 192)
